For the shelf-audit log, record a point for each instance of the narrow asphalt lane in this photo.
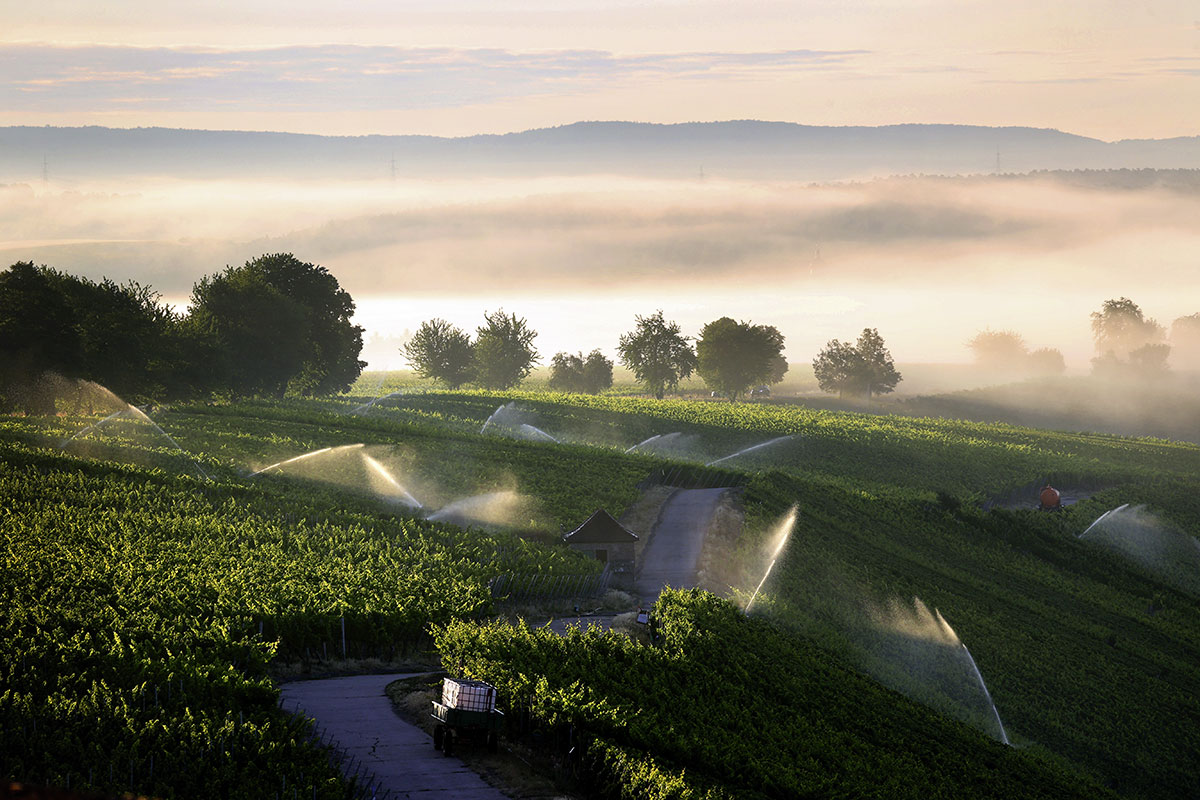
(671, 555)
(357, 713)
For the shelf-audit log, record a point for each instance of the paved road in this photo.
(673, 551)
(357, 713)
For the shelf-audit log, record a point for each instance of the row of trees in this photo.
(276, 325)
(1128, 344)
(732, 357)
(501, 356)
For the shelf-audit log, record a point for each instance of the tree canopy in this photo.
(504, 352)
(574, 373)
(257, 333)
(1046, 361)
(333, 344)
(440, 351)
(865, 367)
(1127, 342)
(275, 325)
(657, 352)
(999, 350)
(1185, 342)
(734, 356)
(1119, 327)
(279, 325)
(38, 333)
(117, 335)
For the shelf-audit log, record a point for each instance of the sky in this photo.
(926, 263)
(1109, 69)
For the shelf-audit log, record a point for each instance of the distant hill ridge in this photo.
(736, 148)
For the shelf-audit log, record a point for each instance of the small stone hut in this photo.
(608, 541)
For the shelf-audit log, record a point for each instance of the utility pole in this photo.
(393, 166)
(45, 169)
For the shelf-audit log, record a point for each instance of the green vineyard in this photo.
(152, 584)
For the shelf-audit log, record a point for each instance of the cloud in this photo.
(349, 78)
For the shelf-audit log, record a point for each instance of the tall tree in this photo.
(278, 325)
(1047, 361)
(865, 367)
(597, 373)
(333, 344)
(504, 352)
(574, 373)
(39, 333)
(734, 356)
(130, 341)
(659, 355)
(258, 335)
(1119, 327)
(440, 351)
(1004, 351)
(879, 370)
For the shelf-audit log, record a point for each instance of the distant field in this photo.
(135, 589)
(1168, 409)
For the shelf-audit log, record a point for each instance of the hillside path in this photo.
(671, 555)
(358, 714)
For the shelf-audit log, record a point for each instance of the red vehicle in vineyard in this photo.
(1049, 499)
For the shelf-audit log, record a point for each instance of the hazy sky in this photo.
(1100, 68)
(929, 263)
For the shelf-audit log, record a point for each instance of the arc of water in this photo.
(749, 450)
(770, 567)
(466, 505)
(945, 626)
(786, 527)
(93, 426)
(382, 471)
(644, 441)
(302, 457)
(137, 412)
(371, 403)
(158, 428)
(1100, 519)
(988, 695)
(538, 432)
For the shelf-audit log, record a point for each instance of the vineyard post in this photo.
(343, 635)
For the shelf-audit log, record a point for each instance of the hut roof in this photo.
(600, 527)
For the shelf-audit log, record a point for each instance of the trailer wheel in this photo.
(439, 735)
(493, 742)
(448, 742)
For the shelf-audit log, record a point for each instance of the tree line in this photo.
(1128, 345)
(733, 358)
(274, 326)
